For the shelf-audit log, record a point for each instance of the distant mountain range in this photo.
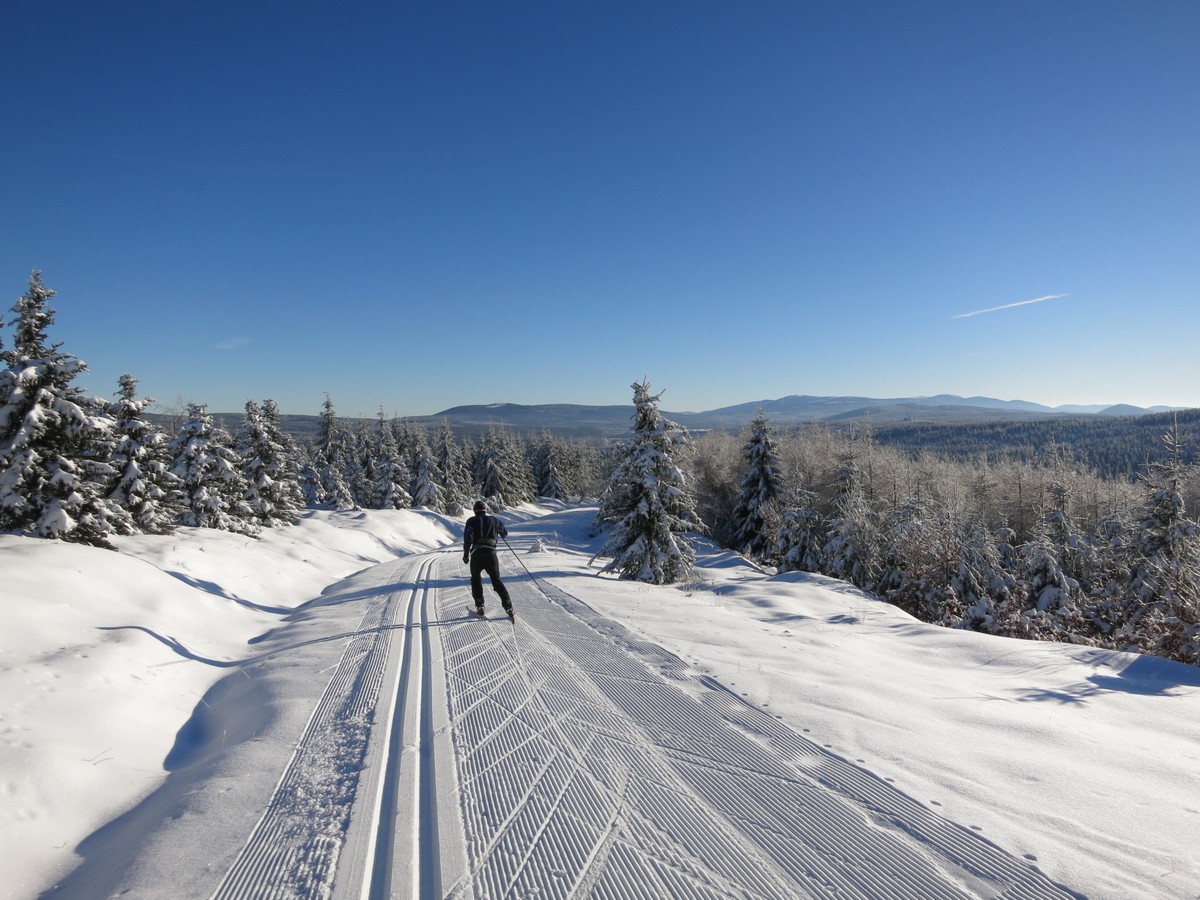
(792, 410)
(577, 420)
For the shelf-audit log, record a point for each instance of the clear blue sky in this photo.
(415, 205)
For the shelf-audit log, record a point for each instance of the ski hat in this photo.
(480, 506)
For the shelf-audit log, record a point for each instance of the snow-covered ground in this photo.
(1081, 763)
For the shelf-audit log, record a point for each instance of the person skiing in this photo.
(479, 549)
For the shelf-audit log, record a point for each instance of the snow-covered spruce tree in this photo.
(987, 593)
(502, 470)
(328, 459)
(1052, 608)
(852, 548)
(359, 464)
(581, 469)
(144, 484)
(309, 477)
(426, 491)
(452, 472)
(551, 467)
(270, 466)
(1163, 609)
(389, 470)
(906, 555)
(800, 536)
(647, 508)
(760, 486)
(52, 474)
(212, 485)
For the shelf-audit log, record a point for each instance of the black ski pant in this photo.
(483, 559)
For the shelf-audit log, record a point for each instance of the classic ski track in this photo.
(574, 759)
(294, 849)
(593, 763)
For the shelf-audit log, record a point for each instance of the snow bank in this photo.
(104, 655)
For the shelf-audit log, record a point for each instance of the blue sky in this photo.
(416, 205)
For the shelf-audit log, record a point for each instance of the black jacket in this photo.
(482, 532)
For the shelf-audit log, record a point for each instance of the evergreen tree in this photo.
(426, 491)
(270, 466)
(451, 472)
(144, 485)
(359, 464)
(502, 470)
(309, 476)
(760, 487)
(212, 485)
(1163, 613)
(52, 477)
(647, 507)
(1052, 609)
(329, 461)
(551, 468)
(853, 541)
(800, 537)
(984, 590)
(390, 472)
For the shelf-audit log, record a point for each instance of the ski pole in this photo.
(525, 567)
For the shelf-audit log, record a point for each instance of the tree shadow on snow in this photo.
(1148, 676)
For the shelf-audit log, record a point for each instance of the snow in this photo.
(1083, 763)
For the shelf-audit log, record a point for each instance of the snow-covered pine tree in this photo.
(452, 472)
(647, 508)
(285, 469)
(800, 536)
(309, 476)
(752, 513)
(853, 541)
(920, 547)
(144, 485)
(270, 466)
(502, 470)
(550, 466)
(212, 485)
(986, 592)
(51, 477)
(328, 460)
(1163, 609)
(426, 491)
(359, 464)
(390, 470)
(1052, 604)
(852, 549)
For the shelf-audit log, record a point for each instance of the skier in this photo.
(479, 549)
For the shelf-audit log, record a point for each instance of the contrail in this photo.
(980, 312)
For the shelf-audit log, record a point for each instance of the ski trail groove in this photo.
(592, 763)
(294, 850)
(405, 858)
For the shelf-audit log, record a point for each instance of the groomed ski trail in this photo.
(558, 757)
(593, 764)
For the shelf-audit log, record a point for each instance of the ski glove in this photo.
(466, 558)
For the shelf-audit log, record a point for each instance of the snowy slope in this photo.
(572, 753)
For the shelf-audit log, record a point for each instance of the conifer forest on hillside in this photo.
(1077, 533)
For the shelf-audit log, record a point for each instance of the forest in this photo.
(1026, 542)
(1111, 446)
